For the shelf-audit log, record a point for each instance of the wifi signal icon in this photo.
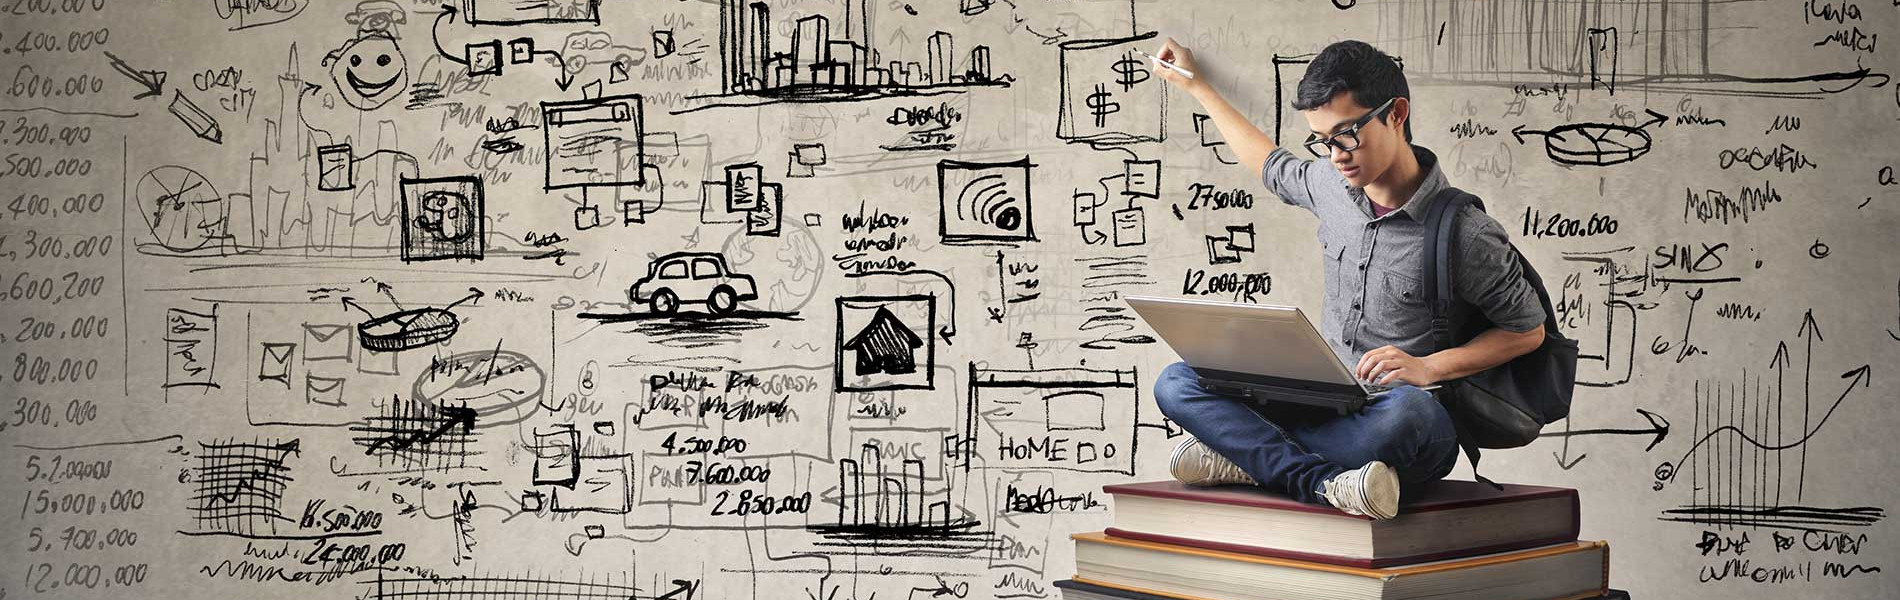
(985, 201)
(991, 203)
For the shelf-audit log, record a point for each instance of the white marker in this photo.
(1157, 60)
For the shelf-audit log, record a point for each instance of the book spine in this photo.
(1288, 506)
(1375, 562)
(1576, 517)
(1606, 567)
(1330, 559)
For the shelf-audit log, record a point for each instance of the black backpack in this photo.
(1508, 405)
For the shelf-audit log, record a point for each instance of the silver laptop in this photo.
(1265, 352)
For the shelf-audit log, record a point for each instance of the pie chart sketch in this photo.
(408, 329)
(182, 209)
(1594, 144)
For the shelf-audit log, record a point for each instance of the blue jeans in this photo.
(1292, 448)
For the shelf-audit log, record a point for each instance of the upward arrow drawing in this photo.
(1812, 331)
(453, 416)
(1780, 364)
(682, 590)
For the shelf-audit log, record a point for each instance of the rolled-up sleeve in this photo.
(1488, 275)
(1286, 176)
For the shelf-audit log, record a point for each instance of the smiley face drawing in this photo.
(369, 71)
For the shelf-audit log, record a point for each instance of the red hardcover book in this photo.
(1570, 571)
(1448, 519)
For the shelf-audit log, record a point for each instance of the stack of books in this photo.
(1457, 539)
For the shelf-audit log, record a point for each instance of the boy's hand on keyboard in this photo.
(1388, 365)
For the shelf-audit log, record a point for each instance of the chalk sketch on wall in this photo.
(1748, 455)
(821, 62)
(511, 12)
(183, 211)
(1094, 410)
(1110, 96)
(1654, 46)
(890, 502)
(691, 299)
(420, 437)
(1594, 144)
(886, 343)
(240, 487)
(443, 218)
(408, 328)
(1127, 223)
(596, 142)
(1600, 308)
(826, 299)
(744, 196)
(985, 201)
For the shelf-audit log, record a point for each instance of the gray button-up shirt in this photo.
(1373, 270)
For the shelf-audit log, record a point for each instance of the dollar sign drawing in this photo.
(1101, 106)
(1129, 71)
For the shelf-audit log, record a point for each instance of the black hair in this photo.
(1372, 77)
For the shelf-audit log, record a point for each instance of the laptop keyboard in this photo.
(1376, 388)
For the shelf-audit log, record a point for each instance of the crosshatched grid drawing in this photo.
(418, 436)
(240, 487)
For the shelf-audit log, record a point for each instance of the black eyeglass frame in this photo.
(1317, 145)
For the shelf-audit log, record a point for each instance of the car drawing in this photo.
(594, 47)
(692, 277)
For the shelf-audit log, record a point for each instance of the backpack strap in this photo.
(1441, 244)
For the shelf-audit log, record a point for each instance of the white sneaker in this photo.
(1194, 463)
(1371, 490)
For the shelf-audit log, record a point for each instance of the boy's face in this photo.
(1380, 140)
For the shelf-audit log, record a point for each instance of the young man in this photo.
(1370, 195)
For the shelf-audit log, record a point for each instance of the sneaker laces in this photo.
(1347, 492)
(1208, 464)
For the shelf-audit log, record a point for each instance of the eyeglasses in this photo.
(1347, 139)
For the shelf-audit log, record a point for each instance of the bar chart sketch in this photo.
(823, 63)
(1662, 46)
(891, 505)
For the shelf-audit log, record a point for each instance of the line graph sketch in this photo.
(240, 486)
(418, 436)
(1748, 458)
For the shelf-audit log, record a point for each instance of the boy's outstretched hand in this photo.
(1180, 56)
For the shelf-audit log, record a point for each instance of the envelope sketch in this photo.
(327, 391)
(326, 342)
(274, 362)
